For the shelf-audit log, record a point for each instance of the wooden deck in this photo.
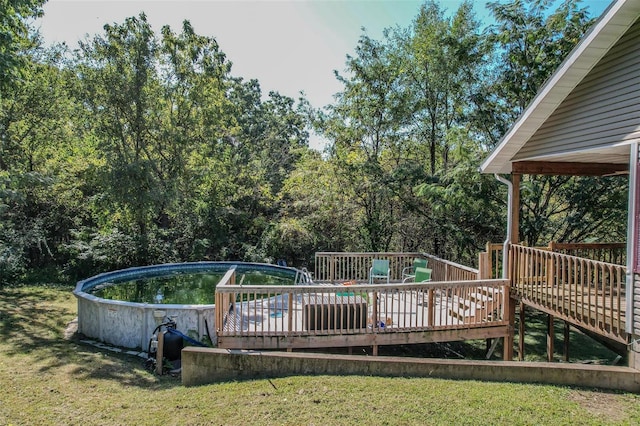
(458, 305)
(261, 317)
(586, 293)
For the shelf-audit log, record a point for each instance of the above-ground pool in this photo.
(123, 307)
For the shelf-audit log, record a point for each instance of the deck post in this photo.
(431, 310)
(521, 331)
(550, 337)
(332, 268)
(290, 313)
(510, 310)
(160, 353)
(374, 319)
(566, 341)
(484, 266)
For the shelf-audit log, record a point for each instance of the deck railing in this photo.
(336, 267)
(586, 292)
(444, 270)
(224, 300)
(315, 310)
(490, 263)
(615, 253)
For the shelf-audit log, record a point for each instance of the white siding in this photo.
(603, 110)
(636, 306)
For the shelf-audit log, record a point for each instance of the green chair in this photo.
(379, 270)
(409, 273)
(422, 275)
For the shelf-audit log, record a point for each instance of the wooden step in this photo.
(489, 291)
(467, 316)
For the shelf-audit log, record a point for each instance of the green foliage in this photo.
(574, 209)
(14, 39)
(142, 147)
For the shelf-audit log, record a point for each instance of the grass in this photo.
(49, 379)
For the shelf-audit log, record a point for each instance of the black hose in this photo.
(206, 328)
(168, 324)
(185, 337)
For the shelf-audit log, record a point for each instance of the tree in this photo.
(365, 124)
(401, 133)
(15, 38)
(36, 136)
(531, 43)
(445, 59)
(156, 108)
(318, 213)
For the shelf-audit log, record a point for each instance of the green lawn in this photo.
(47, 379)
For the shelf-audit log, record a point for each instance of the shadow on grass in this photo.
(582, 348)
(33, 321)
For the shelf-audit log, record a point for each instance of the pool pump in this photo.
(173, 342)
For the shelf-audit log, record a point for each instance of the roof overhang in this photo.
(613, 23)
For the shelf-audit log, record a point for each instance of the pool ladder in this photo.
(303, 277)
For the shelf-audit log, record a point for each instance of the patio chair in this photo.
(409, 273)
(422, 275)
(379, 270)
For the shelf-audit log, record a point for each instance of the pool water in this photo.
(187, 288)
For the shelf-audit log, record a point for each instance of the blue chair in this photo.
(379, 270)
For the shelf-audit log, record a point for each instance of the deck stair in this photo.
(479, 304)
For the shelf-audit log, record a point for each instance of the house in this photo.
(585, 120)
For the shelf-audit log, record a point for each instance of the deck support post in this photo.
(375, 350)
(160, 353)
(521, 330)
(565, 350)
(510, 310)
(550, 337)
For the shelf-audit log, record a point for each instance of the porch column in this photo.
(515, 239)
(515, 209)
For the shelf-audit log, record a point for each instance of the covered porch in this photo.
(584, 121)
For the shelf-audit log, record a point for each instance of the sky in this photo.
(289, 46)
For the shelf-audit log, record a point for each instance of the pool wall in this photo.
(130, 324)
